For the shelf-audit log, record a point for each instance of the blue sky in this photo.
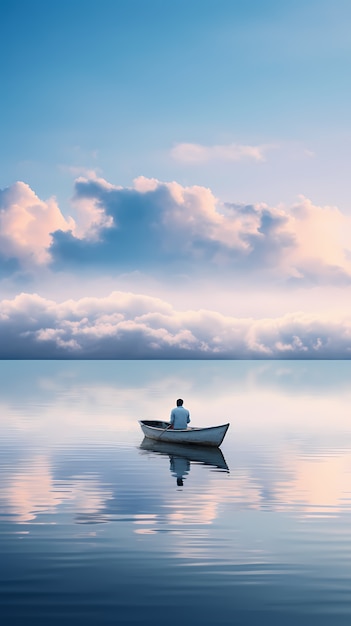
(115, 85)
(176, 150)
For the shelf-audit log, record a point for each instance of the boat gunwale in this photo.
(182, 430)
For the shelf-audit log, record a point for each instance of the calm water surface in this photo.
(96, 527)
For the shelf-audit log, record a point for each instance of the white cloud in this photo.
(198, 153)
(323, 234)
(158, 226)
(126, 325)
(304, 241)
(91, 216)
(26, 223)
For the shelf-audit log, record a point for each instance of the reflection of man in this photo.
(180, 467)
(180, 417)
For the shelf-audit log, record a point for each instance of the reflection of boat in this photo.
(158, 430)
(197, 454)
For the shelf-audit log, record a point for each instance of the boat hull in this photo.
(203, 455)
(157, 430)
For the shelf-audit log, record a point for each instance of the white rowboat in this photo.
(160, 431)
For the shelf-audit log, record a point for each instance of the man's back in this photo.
(180, 417)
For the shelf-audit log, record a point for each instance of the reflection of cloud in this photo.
(192, 509)
(126, 325)
(202, 510)
(318, 388)
(34, 492)
(319, 485)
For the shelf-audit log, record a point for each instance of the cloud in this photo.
(192, 153)
(129, 326)
(168, 229)
(25, 226)
(166, 225)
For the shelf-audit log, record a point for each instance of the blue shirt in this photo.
(180, 417)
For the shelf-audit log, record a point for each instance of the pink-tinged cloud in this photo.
(194, 153)
(26, 223)
(168, 228)
(129, 326)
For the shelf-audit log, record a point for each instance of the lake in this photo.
(98, 526)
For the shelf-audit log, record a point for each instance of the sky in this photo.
(174, 179)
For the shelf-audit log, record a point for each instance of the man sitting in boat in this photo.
(180, 417)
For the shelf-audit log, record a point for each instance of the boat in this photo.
(201, 455)
(161, 431)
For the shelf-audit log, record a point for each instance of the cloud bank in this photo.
(130, 326)
(169, 228)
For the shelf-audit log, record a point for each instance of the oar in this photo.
(164, 431)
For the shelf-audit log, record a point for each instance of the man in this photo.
(180, 417)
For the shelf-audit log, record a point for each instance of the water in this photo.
(95, 528)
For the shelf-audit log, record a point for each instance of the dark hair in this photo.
(180, 402)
